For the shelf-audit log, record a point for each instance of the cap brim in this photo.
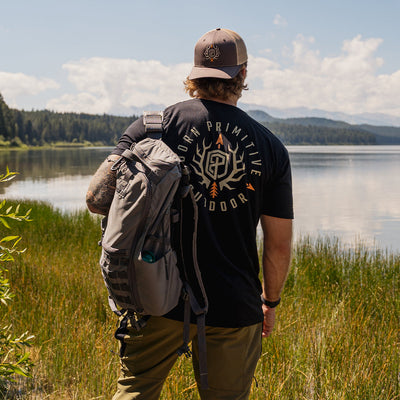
(221, 72)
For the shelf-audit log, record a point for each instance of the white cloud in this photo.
(13, 85)
(265, 51)
(348, 83)
(279, 20)
(118, 85)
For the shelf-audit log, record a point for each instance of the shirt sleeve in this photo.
(278, 196)
(133, 134)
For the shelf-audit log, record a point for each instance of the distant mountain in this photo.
(303, 112)
(376, 119)
(384, 134)
(261, 116)
(324, 130)
(138, 111)
(314, 121)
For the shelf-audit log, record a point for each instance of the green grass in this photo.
(337, 334)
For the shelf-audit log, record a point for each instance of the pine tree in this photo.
(214, 190)
(3, 127)
(7, 128)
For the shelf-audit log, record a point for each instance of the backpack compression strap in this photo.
(153, 124)
(190, 300)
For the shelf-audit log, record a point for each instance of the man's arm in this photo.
(102, 187)
(275, 262)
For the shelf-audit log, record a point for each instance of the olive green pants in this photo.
(147, 357)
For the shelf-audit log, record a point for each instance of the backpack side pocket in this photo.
(159, 284)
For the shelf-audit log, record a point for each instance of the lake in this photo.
(352, 192)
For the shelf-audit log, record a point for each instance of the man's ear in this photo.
(243, 71)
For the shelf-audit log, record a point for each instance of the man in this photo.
(241, 175)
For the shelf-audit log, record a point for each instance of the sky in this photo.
(102, 56)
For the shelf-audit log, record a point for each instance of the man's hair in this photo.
(216, 88)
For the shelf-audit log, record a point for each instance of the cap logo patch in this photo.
(212, 53)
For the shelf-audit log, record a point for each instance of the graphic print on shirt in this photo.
(218, 158)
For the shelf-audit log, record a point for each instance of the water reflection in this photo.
(53, 163)
(59, 176)
(348, 191)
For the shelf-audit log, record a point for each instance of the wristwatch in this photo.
(270, 304)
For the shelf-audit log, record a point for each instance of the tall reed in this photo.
(336, 337)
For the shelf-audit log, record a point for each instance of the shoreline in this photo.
(83, 145)
(61, 145)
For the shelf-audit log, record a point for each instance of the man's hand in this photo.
(269, 320)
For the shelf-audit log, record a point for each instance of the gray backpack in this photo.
(142, 262)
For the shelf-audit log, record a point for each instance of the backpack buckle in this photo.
(138, 322)
(184, 349)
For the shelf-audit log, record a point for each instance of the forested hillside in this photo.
(6, 120)
(326, 131)
(319, 135)
(38, 128)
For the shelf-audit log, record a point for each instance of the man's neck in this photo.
(232, 101)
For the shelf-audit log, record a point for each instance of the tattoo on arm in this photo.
(102, 187)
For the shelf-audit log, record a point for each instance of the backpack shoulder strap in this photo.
(153, 127)
(152, 121)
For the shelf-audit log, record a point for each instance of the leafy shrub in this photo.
(13, 357)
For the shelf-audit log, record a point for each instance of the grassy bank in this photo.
(337, 332)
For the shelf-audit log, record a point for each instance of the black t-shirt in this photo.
(239, 170)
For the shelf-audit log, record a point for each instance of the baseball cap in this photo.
(219, 53)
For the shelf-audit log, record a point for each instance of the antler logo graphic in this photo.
(238, 169)
(218, 169)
